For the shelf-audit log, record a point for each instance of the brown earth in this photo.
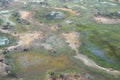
(105, 20)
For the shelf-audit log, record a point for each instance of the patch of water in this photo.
(113, 4)
(54, 15)
(97, 51)
(4, 15)
(4, 41)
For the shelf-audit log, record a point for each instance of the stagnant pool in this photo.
(6, 40)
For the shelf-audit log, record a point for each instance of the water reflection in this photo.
(96, 50)
(4, 41)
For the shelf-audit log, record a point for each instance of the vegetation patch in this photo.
(32, 63)
(51, 15)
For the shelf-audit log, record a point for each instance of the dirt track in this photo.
(69, 10)
(105, 20)
(72, 39)
(91, 63)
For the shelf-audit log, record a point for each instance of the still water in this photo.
(4, 41)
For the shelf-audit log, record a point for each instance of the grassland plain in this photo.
(33, 64)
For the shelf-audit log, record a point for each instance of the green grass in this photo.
(1, 22)
(49, 61)
(104, 36)
(18, 27)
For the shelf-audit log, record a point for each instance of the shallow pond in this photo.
(54, 15)
(6, 40)
(5, 16)
(98, 51)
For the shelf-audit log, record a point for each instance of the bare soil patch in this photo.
(25, 14)
(105, 20)
(3, 67)
(69, 10)
(72, 39)
(26, 38)
(53, 28)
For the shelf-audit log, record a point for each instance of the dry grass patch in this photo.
(35, 63)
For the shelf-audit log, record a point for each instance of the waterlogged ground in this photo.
(6, 40)
(63, 37)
